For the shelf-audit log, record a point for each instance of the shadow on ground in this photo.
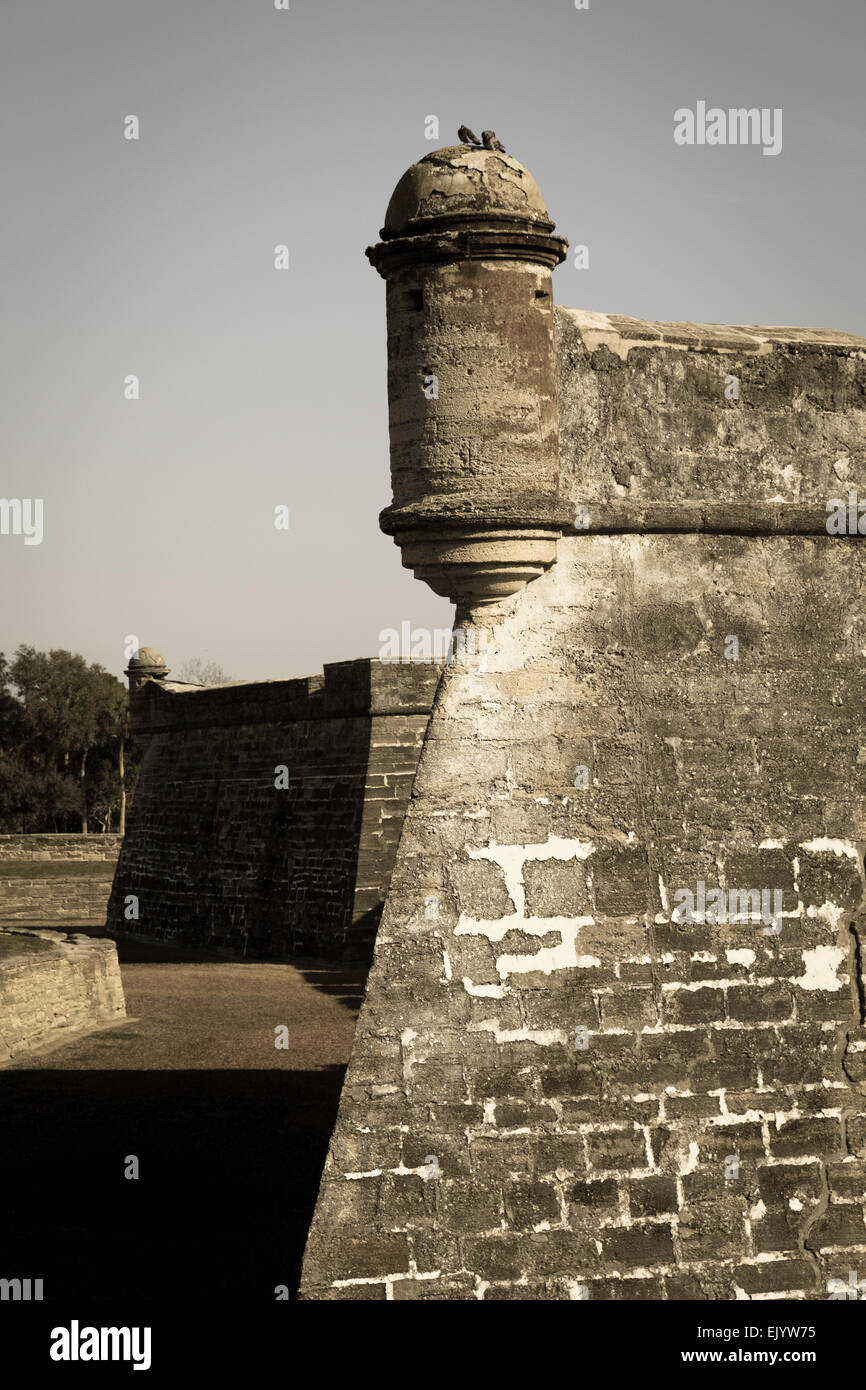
(346, 984)
(229, 1165)
(344, 981)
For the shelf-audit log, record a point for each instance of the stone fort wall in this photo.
(224, 850)
(559, 1088)
(56, 878)
(565, 1084)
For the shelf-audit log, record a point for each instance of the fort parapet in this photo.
(54, 878)
(267, 814)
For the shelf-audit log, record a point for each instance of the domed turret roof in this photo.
(146, 656)
(463, 181)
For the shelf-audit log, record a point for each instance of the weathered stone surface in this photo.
(715, 1054)
(467, 250)
(56, 878)
(649, 438)
(218, 855)
(460, 180)
(51, 985)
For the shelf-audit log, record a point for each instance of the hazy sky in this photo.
(261, 387)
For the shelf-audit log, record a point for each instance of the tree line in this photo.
(65, 759)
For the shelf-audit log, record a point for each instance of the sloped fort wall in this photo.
(266, 815)
(569, 1080)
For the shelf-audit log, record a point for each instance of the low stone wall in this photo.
(56, 878)
(50, 984)
(62, 849)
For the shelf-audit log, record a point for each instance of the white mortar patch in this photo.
(821, 965)
(483, 991)
(542, 1037)
(690, 1164)
(827, 912)
(511, 860)
(531, 926)
(549, 958)
(744, 957)
(828, 846)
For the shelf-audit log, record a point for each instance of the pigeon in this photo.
(490, 141)
(466, 137)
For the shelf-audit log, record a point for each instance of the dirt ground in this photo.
(230, 1133)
